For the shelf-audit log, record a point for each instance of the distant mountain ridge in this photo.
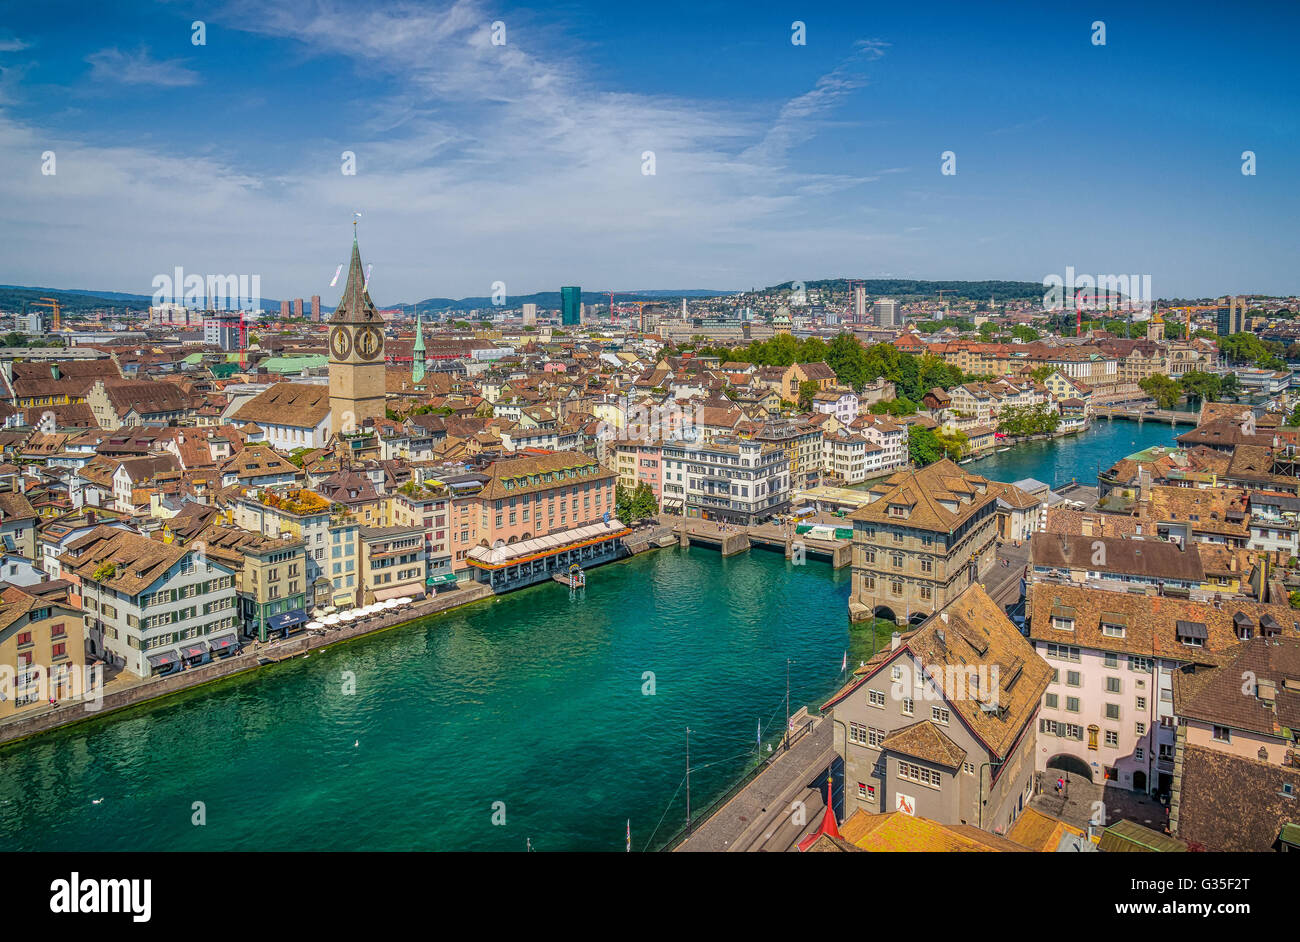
(550, 300)
(77, 300)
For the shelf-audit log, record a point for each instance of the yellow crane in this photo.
(53, 304)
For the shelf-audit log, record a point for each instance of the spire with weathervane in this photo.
(417, 354)
(355, 307)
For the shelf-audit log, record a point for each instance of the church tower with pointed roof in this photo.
(417, 355)
(356, 350)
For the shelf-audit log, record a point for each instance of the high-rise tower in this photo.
(570, 305)
(356, 354)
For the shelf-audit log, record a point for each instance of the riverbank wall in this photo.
(254, 657)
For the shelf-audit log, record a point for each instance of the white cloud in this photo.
(482, 163)
(114, 65)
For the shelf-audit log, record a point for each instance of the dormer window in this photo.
(1062, 624)
(1191, 633)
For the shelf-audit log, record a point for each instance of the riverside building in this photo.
(150, 606)
(923, 538)
(731, 480)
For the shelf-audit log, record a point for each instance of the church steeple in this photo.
(356, 351)
(417, 354)
(355, 307)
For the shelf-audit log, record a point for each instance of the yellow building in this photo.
(42, 652)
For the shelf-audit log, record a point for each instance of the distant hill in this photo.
(909, 289)
(14, 297)
(550, 300)
(75, 300)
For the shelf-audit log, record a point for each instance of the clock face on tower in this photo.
(340, 343)
(369, 342)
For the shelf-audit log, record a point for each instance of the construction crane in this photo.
(53, 304)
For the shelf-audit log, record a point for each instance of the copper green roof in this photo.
(1129, 836)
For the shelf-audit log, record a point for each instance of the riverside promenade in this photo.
(759, 816)
(122, 690)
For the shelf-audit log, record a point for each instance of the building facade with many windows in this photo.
(1109, 710)
(731, 480)
(150, 606)
(922, 539)
(941, 725)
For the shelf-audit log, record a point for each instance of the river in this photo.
(1058, 461)
(532, 699)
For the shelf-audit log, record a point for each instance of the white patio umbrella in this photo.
(330, 620)
(314, 625)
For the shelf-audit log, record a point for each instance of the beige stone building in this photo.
(923, 538)
(942, 724)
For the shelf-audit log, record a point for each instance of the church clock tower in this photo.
(356, 342)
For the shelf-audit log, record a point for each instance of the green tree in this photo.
(954, 445)
(807, 389)
(1205, 387)
(923, 446)
(1165, 391)
(636, 504)
(846, 357)
(1025, 332)
(1020, 421)
(894, 407)
(643, 502)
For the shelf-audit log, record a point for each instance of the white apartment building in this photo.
(890, 437)
(730, 480)
(297, 513)
(842, 404)
(846, 457)
(150, 606)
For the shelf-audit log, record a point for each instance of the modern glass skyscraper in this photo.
(571, 305)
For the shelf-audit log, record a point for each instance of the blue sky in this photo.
(522, 163)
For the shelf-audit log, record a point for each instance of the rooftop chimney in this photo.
(895, 640)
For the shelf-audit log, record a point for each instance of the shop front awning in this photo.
(396, 592)
(193, 650)
(442, 578)
(223, 644)
(287, 620)
(163, 658)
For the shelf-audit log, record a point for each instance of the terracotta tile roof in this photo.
(895, 831)
(1041, 832)
(973, 632)
(1230, 803)
(1215, 694)
(1155, 559)
(543, 464)
(924, 740)
(939, 496)
(303, 405)
(1150, 622)
(257, 460)
(132, 562)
